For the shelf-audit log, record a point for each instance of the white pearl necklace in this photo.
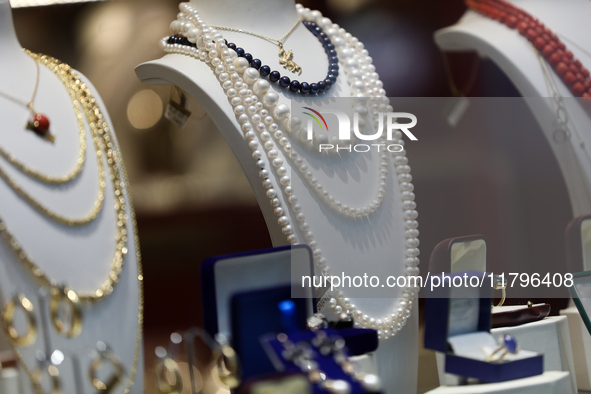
(265, 113)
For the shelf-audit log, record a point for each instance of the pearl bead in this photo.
(413, 252)
(410, 214)
(193, 34)
(241, 64)
(320, 139)
(281, 111)
(175, 27)
(270, 99)
(293, 124)
(261, 87)
(251, 75)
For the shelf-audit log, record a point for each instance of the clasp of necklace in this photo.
(286, 60)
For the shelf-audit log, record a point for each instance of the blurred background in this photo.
(188, 187)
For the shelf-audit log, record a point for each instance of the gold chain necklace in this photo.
(39, 122)
(100, 131)
(80, 162)
(285, 57)
(97, 126)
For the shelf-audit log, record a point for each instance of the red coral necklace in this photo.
(571, 71)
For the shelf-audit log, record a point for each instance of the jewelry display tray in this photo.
(223, 276)
(457, 322)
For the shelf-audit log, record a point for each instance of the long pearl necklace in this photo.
(256, 104)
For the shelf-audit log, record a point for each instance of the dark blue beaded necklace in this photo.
(285, 82)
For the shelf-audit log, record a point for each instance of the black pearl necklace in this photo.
(274, 76)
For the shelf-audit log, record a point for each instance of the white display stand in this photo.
(9, 381)
(517, 59)
(549, 337)
(347, 244)
(555, 382)
(581, 340)
(80, 257)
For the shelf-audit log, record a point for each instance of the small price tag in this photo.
(176, 112)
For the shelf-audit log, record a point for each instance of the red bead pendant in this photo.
(40, 123)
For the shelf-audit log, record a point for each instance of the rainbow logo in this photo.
(315, 118)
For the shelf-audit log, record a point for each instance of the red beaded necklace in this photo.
(570, 70)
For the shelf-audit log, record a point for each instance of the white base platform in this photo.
(550, 337)
(554, 382)
(366, 363)
(581, 347)
(9, 382)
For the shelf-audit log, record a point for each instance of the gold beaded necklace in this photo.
(104, 142)
(98, 204)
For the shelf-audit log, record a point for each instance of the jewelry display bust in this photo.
(40, 253)
(373, 244)
(517, 58)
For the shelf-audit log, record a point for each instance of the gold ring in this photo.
(163, 371)
(30, 336)
(52, 371)
(503, 296)
(228, 367)
(501, 284)
(96, 365)
(509, 345)
(74, 327)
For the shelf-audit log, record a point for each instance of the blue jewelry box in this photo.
(223, 276)
(457, 323)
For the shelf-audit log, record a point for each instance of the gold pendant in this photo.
(286, 60)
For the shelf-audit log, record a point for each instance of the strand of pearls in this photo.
(274, 113)
(259, 118)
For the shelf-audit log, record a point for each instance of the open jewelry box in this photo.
(260, 279)
(457, 323)
(224, 276)
(469, 253)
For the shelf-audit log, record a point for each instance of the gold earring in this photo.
(74, 328)
(96, 365)
(53, 372)
(30, 336)
(163, 370)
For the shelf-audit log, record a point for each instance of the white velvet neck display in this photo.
(375, 245)
(516, 57)
(78, 257)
